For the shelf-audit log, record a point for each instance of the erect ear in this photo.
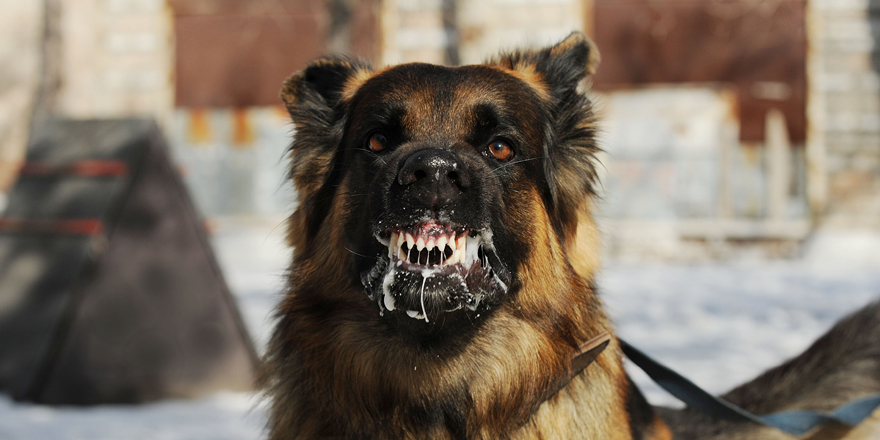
(560, 67)
(555, 73)
(322, 83)
(315, 97)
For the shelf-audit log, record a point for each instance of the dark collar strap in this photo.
(586, 354)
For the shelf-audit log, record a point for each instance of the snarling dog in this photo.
(442, 282)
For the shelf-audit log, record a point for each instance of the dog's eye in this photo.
(377, 142)
(501, 150)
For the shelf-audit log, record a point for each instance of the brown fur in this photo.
(338, 368)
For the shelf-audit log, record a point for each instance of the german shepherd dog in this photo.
(442, 282)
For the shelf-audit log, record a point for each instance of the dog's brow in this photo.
(384, 114)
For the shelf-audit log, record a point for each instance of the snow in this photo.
(717, 323)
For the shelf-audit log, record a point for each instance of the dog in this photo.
(442, 285)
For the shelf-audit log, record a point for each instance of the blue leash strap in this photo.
(797, 422)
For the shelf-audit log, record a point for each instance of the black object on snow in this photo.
(109, 290)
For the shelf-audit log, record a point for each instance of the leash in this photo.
(797, 422)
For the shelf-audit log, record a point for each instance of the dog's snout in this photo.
(435, 177)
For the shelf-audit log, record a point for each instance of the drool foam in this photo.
(387, 298)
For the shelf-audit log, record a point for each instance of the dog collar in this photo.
(586, 354)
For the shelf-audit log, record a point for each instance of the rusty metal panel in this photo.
(364, 37)
(238, 60)
(249, 7)
(237, 53)
(759, 47)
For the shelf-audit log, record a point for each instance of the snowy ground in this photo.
(718, 324)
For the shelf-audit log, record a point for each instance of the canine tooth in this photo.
(410, 240)
(461, 242)
(473, 249)
(389, 302)
(431, 243)
(451, 242)
(441, 243)
(391, 245)
(414, 314)
(400, 240)
(420, 244)
(461, 255)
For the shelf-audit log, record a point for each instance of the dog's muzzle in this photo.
(434, 264)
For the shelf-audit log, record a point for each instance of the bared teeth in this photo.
(392, 244)
(452, 248)
(441, 243)
(452, 258)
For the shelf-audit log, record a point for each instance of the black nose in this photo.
(434, 177)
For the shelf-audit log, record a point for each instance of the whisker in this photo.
(360, 255)
(514, 163)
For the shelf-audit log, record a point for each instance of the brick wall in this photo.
(116, 59)
(21, 30)
(468, 31)
(845, 110)
(488, 26)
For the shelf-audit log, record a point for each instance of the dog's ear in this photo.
(560, 68)
(316, 98)
(557, 73)
(321, 84)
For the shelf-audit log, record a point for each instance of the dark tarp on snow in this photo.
(109, 290)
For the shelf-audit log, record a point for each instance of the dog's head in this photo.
(427, 187)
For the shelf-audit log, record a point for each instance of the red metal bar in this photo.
(87, 168)
(80, 226)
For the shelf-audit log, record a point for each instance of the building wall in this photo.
(417, 31)
(845, 112)
(117, 59)
(21, 31)
(456, 32)
(489, 26)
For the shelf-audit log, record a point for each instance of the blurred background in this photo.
(741, 166)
